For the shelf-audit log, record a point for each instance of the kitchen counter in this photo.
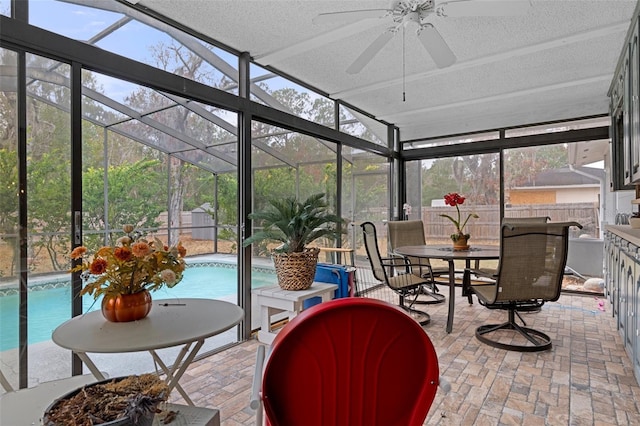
(626, 232)
(622, 282)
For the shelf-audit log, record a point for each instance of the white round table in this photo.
(171, 322)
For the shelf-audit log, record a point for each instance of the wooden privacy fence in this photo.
(486, 229)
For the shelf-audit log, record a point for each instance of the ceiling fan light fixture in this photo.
(402, 9)
(412, 20)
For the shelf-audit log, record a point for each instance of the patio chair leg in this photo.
(433, 293)
(426, 318)
(539, 340)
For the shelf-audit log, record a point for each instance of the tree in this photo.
(437, 180)
(179, 60)
(9, 204)
(132, 191)
(522, 165)
(49, 183)
(475, 176)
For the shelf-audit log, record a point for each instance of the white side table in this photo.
(273, 300)
(171, 322)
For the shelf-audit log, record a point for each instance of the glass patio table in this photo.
(171, 322)
(447, 253)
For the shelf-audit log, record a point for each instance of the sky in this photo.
(133, 40)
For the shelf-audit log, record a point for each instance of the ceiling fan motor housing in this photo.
(404, 12)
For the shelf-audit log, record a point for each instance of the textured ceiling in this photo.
(555, 62)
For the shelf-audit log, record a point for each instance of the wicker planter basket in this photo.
(296, 271)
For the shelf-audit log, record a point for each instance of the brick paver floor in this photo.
(585, 379)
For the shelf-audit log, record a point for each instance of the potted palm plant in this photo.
(295, 224)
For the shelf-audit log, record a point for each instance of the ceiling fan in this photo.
(414, 13)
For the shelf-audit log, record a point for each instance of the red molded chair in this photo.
(348, 362)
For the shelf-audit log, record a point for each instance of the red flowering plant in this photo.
(133, 264)
(454, 199)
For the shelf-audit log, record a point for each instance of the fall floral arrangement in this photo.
(454, 199)
(133, 264)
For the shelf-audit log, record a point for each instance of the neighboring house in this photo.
(559, 186)
(570, 186)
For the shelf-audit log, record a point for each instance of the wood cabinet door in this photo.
(622, 296)
(615, 277)
(609, 250)
(626, 125)
(628, 279)
(636, 319)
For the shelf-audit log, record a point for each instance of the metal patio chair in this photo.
(406, 285)
(529, 274)
(411, 233)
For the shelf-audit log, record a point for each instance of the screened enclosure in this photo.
(133, 121)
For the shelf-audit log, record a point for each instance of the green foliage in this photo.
(296, 224)
(132, 195)
(477, 176)
(8, 191)
(228, 199)
(282, 182)
(366, 181)
(48, 189)
(9, 203)
(228, 235)
(201, 190)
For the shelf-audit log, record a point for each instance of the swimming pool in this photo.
(50, 303)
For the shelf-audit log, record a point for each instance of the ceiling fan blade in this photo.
(457, 8)
(436, 46)
(371, 51)
(349, 16)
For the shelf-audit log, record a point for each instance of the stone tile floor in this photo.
(585, 379)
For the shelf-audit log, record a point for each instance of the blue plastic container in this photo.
(333, 274)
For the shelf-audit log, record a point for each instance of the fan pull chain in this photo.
(404, 98)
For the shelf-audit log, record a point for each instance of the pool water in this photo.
(50, 308)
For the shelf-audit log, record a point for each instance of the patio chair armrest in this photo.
(409, 267)
(483, 273)
(392, 261)
(482, 277)
(391, 265)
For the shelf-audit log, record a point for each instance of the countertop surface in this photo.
(625, 231)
